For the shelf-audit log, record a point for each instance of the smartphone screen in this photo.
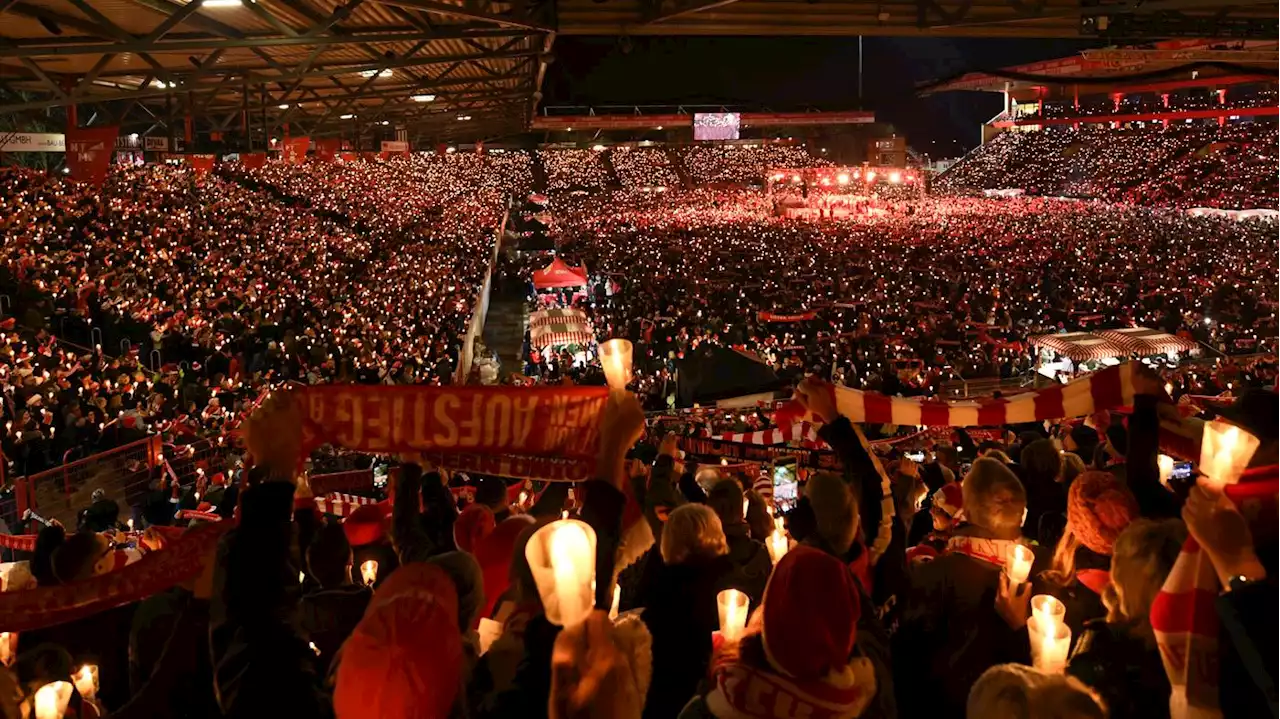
(917, 457)
(785, 485)
(1182, 470)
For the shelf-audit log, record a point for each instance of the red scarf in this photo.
(991, 551)
(1183, 614)
(744, 692)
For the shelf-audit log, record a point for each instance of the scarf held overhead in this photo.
(1106, 389)
(560, 423)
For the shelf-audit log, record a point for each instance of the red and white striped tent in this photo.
(557, 316)
(1146, 341)
(549, 328)
(1079, 346)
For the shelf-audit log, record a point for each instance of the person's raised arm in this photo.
(605, 497)
(1142, 471)
(408, 536)
(861, 469)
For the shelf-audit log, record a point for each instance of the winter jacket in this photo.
(260, 659)
(328, 617)
(949, 631)
(750, 560)
(1247, 638)
(680, 612)
(1124, 668)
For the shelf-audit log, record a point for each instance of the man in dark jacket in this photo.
(950, 628)
(750, 559)
(329, 614)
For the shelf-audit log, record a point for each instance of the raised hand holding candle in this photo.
(86, 681)
(562, 559)
(52, 699)
(1225, 451)
(369, 571)
(615, 359)
(617, 599)
(733, 606)
(1018, 564)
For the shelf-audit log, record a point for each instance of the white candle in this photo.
(302, 577)
(778, 545)
(7, 642)
(615, 358)
(1050, 642)
(733, 613)
(369, 571)
(1225, 451)
(1165, 462)
(568, 546)
(1018, 564)
(1048, 608)
(51, 700)
(617, 599)
(87, 681)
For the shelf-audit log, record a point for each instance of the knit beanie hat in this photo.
(1099, 507)
(366, 525)
(473, 524)
(494, 554)
(404, 659)
(949, 498)
(811, 610)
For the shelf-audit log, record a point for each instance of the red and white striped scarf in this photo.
(1183, 614)
(744, 692)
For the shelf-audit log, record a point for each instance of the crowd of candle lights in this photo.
(1192, 164)
(187, 296)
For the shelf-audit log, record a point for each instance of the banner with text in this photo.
(201, 163)
(395, 146)
(33, 142)
(551, 432)
(295, 149)
(253, 160)
(89, 152)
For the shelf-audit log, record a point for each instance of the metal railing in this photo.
(59, 493)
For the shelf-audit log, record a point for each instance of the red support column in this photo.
(1164, 97)
(1115, 99)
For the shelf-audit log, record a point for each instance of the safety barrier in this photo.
(475, 326)
(59, 493)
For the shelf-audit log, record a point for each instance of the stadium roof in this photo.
(338, 67)
(1219, 64)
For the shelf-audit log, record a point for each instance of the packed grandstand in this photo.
(153, 324)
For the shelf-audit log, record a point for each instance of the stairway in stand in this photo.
(504, 326)
(540, 178)
(677, 164)
(614, 182)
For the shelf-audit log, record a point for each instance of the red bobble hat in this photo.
(472, 525)
(493, 553)
(811, 611)
(366, 525)
(404, 659)
(1099, 507)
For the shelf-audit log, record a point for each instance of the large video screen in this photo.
(715, 125)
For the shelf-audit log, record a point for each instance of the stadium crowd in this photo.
(1196, 164)
(887, 590)
(910, 295)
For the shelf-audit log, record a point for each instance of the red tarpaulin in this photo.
(253, 160)
(558, 274)
(327, 149)
(201, 163)
(295, 149)
(89, 152)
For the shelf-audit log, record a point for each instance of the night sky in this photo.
(784, 74)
